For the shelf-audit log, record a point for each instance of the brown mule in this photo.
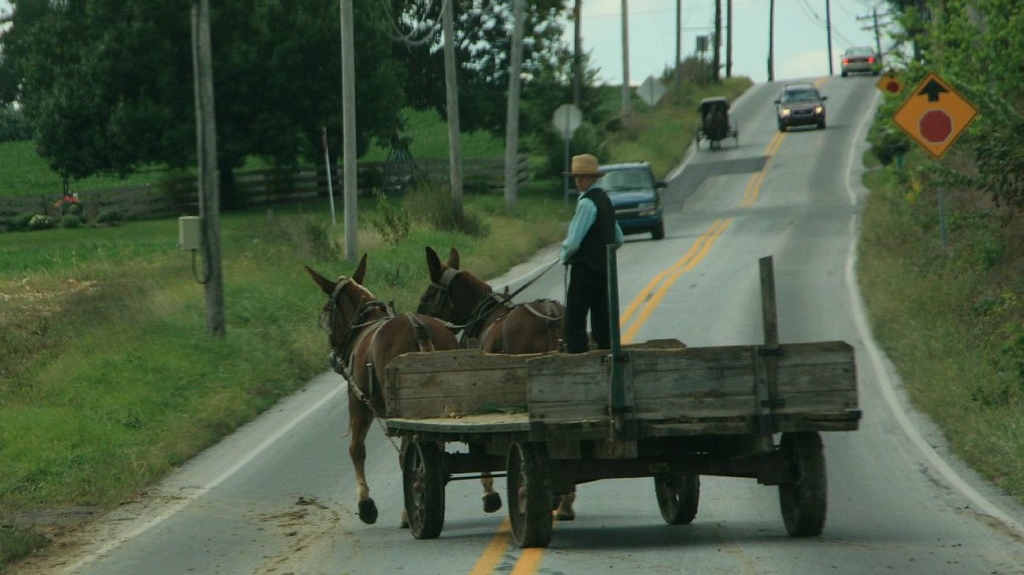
(364, 336)
(491, 322)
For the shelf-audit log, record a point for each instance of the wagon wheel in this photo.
(678, 496)
(696, 139)
(423, 483)
(804, 501)
(529, 494)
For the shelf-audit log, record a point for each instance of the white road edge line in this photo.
(202, 489)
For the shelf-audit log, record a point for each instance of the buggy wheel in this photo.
(423, 484)
(678, 496)
(804, 501)
(529, 494)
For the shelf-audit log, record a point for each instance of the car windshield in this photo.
(622, 180)
(808, 95)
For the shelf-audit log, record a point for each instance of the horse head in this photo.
(349, 306)
(454, 294)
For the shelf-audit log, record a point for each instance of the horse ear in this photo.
(326, 285)
(433, 265)
(360, 272)
(453, 259)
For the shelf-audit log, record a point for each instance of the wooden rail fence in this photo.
(267, 187)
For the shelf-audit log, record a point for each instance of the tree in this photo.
(484, 32)
(107, 83)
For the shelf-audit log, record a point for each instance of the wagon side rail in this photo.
(698, 391)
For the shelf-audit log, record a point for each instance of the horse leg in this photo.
(360, 420)
(565, 512)
(492, 500)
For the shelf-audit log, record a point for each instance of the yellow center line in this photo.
(687, 262)
(495, 550)
(530, 559)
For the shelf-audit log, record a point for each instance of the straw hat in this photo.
(585, 165)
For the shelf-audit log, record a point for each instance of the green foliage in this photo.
(432, 206)
(390, 219)
(70, 221)
(977, 46)
(113, 100)
(110, 218)
(13, 126)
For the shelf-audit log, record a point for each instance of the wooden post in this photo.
(206, 157)
(512, 115)
(348, 108)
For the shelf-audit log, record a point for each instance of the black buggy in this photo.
(715, 124)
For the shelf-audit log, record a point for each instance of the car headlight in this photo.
(819, 110)
(784, 113)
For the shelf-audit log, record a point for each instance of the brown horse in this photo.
(364, 336)
(494, 324)
(489, 321)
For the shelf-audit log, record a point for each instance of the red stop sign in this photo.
(936, 126)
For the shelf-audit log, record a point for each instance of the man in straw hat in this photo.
(593, 227)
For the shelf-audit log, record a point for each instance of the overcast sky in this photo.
(801, 37)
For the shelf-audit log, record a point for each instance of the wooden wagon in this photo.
(657, 409)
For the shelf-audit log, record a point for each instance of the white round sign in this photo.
(566, 119)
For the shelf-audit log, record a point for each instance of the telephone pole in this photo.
(206, 158)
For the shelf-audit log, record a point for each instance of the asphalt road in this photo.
(278, 496)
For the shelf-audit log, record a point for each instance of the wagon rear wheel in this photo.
(529, 494)
(804, 501)
(678, 496)
(423, 483)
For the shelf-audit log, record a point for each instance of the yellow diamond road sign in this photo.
(890, 84)
(935, 115)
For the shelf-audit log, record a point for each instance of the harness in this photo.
(368, 319)
(482, 315)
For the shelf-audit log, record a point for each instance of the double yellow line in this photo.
(631, 320)
(663, 281)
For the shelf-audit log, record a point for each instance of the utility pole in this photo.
(452, 89)
(679, 44)
(771, 41)
(717, 48)
(577, 54)
(728, 41)
(625, 57)
(348, 110)
(206, 158)
(512, 115)
(828, 29)
(877, 31)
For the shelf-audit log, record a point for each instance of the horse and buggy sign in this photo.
(550, 421)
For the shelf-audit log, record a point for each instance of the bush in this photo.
(110, 218)
(71, 221)
(20, 223)
(431, 205)
(391, 221)
(41, 222)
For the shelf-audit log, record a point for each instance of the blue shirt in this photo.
(586, 213)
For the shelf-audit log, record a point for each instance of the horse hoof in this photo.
(563, 516)
(368, 511)
(492, 502)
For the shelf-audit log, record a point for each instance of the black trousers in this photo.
(587, 294)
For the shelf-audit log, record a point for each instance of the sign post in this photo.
(934, 115)
(566, 119)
